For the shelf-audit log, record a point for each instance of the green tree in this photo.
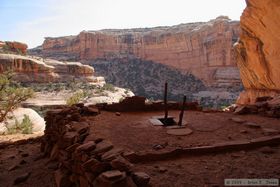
(75, 98)
(11, 94)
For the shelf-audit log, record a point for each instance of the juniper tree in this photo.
(11, 94)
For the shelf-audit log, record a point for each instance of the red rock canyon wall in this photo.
(203, 49)
(258, 51)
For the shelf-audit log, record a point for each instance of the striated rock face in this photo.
(16, 47)
(31, 69)
(199, 48)
(258, 51)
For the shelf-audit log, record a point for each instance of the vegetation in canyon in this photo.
(147, 78)
(75, 98)
(24, 127)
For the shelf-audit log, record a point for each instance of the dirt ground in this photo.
(16, 137)
(211, 170)
(18, 160)
(133, 131)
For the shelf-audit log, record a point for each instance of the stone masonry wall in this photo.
(84, 159)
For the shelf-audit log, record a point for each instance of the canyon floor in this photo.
(134, 132)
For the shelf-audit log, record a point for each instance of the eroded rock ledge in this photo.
(33, 69)
(13, 47)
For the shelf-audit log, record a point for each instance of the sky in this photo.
(29, 21)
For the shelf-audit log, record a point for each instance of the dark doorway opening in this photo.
(169, 121)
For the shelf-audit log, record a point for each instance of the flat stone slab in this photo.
(252, 125)
(103, 147)
(112, 174)
(112, 154)
(156, 122)
(179, 132)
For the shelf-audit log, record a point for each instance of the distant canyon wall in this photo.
(202, 50)
(258, 51)
(198, 48)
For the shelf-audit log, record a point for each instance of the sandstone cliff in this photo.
(199, 48)
(258, 51)
(31, 69)
(202, 50)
